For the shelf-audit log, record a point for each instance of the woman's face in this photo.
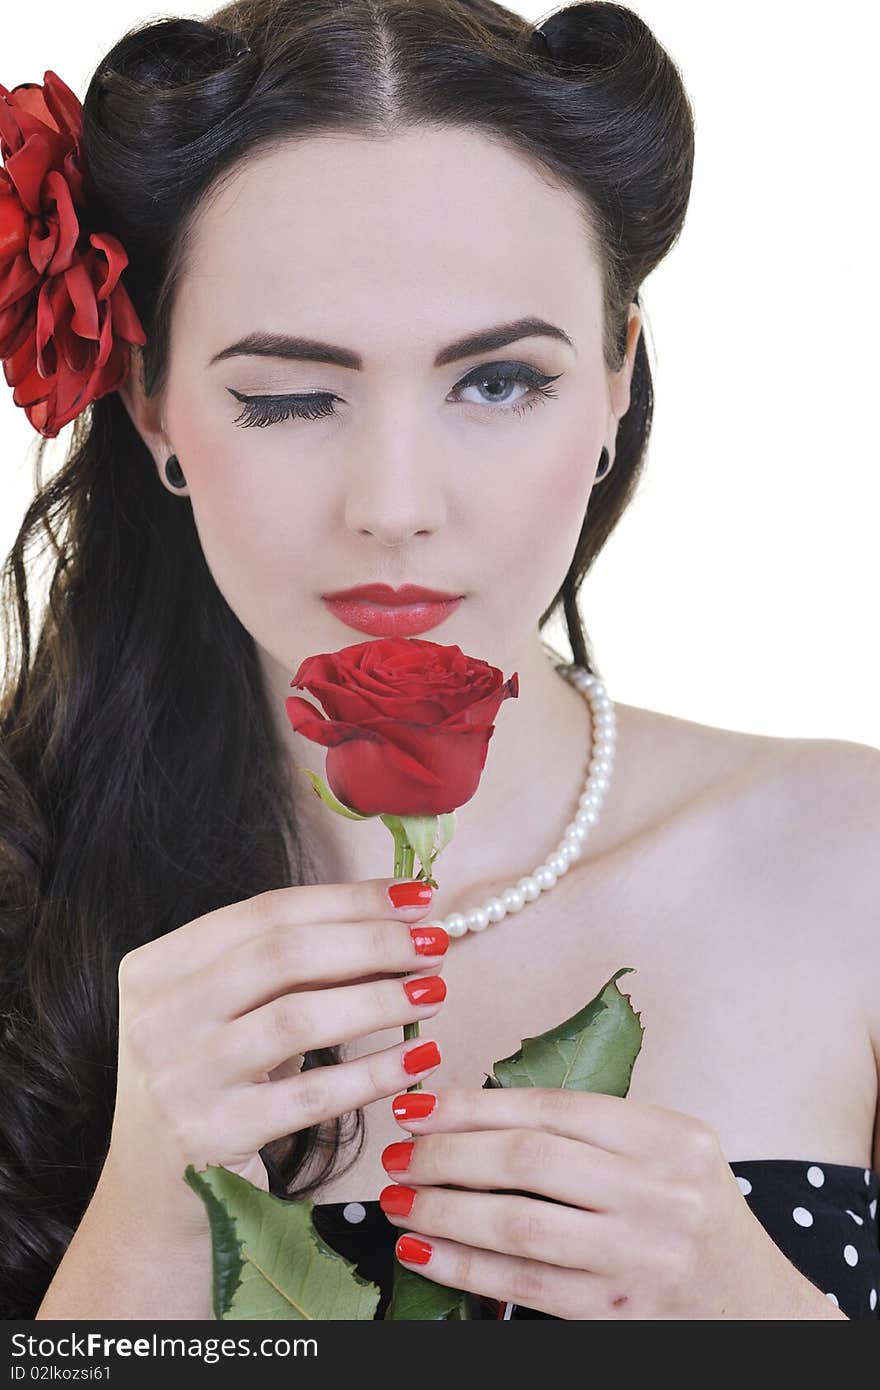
(460, 476)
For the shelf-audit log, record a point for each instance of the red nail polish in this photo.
(427, 1054)
(430, 989)
(396, 1157)
(413, 1105)
(411, 893)
(430, 941)
(415, 1252)
(397, 1200)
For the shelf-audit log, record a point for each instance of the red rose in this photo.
(408, 723)
(65, 319)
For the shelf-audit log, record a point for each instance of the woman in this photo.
(407, 226)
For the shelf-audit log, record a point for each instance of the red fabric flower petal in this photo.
(67, 323)
(14, 225)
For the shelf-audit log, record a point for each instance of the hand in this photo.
(646, 1219)
(211, 1014)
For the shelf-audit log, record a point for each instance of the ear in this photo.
(621, 380)
(145, 412)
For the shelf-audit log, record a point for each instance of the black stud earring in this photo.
(174, 472)
(604, 464)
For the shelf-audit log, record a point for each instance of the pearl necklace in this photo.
(571, 846)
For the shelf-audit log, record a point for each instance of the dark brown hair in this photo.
(141, 785)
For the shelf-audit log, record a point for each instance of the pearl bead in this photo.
(544, 877)
(529, 888)
(477, 919)
(571, 846)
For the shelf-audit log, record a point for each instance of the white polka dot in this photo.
(745, 1186)
(815, 1176)
(872, 1208)
(858, 1220)
(851, 1254)
(867, 1177)
(802, 1216)
(354, 1212)
(873, 1300)
(833, 1298)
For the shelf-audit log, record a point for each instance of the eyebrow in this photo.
(259, 344)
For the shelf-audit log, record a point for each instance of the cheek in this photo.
(539, 513)
(255, 529)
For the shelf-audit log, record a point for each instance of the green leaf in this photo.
(413, 1297)
(420, 832)
(594, 1050)
(268, 1259)
(323, 791)
(447, 830)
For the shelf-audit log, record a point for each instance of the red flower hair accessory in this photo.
(66, 320)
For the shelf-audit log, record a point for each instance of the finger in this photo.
(524, 1226)
(275, 1108)
(615, 1123)
(197, 943)
(526, 1161)
(301, 957)
(302, 1022)
(564, 1293)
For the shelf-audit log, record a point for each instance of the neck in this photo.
(528, 792)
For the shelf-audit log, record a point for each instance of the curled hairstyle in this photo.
(141, 785)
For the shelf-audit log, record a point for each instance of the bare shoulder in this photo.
(815, 802)
(833, 786)
(833, 789)
(802, 813)
(781, 836)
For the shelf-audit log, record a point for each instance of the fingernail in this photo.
(397, 1200)
(396, 1157)
(410, 893)
(415, 1252)
(429, 990)
(430, 941)
(413, 1105)
(420, 1058)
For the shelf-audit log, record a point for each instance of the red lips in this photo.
(383, 593)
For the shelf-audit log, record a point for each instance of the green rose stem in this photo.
(431, 835)
(404, 862)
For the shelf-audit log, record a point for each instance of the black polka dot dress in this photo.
(822, 1216)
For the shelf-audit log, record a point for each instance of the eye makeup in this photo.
(265, 410)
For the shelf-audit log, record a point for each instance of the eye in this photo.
(271, 410)
(515, 372)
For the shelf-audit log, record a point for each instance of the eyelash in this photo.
(271, 410)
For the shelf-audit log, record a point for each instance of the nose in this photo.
(394, 493)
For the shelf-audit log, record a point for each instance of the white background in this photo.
(740, 588)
